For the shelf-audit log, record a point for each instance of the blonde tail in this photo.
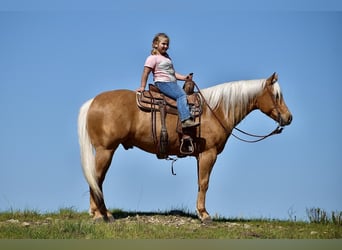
(87, 151)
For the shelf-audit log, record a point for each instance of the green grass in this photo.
(70, 224)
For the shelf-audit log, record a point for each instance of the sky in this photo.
(56, 55)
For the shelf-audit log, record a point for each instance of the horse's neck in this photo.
(234, 101)
(238, 113)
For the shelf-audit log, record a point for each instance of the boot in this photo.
(189, 123)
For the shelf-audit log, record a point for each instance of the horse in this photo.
(112, 118)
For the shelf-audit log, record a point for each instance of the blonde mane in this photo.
(235, 94)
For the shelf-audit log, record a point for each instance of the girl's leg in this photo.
(173, 90)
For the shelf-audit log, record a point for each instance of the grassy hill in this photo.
(70, 224)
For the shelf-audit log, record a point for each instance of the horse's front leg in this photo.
(205, 163)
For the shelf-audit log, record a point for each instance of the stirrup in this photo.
(187, 146)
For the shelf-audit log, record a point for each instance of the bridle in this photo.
(276, 131)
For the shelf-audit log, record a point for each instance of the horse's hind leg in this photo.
(103, 159)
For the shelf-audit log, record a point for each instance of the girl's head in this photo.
(160, 44)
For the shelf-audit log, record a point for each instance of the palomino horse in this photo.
(113, 118)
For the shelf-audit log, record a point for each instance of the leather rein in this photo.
(276, 131)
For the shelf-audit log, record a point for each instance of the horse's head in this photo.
(271, 102)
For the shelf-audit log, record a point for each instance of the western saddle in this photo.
(153, 101)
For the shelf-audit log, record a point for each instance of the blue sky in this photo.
(54, 57)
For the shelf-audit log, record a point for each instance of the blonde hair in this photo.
(155, 42)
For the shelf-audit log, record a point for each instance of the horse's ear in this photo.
(273, 78)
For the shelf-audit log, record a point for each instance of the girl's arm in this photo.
(182, 77)
(144, 78)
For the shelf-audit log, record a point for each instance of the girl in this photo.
(165, 77)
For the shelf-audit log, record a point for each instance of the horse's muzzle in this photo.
(285, 120)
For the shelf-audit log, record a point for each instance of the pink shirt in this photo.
(162, 68)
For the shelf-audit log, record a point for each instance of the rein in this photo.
(276, 131)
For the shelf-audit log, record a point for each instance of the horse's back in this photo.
(112, 101)
(113, 97)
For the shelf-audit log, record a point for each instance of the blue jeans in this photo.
(173, 90)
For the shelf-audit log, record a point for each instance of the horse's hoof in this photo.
(98, 220)
(206, 220)
(107, 219)
(110, 219)
(204, 217)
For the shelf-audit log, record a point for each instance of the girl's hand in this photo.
(140, 89)
(189, 77)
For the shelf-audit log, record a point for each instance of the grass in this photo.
(176, 224)
(317, 215)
